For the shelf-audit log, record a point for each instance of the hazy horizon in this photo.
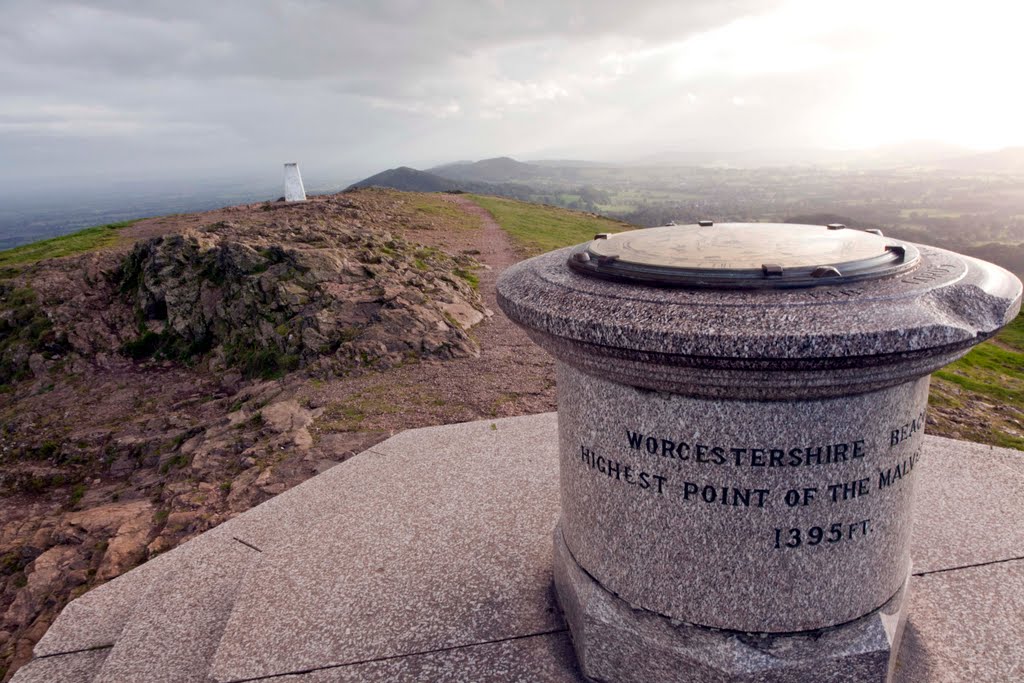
(119, 89)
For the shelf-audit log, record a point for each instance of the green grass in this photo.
(435, 208)
(65, 245)
(468, 276)
(990, 370)
(992, 373)
(537, 228)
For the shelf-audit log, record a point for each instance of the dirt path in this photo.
(511, 376)
(128, 424)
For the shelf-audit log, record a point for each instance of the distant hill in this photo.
(409, 180)
(1006, 160)
(827, 218)
(496, 170)
(570, 163)
(412, 180)
(914, 153)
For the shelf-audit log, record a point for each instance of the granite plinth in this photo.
(617, 642)
(753, 516)
(742, 458)
(762, 344)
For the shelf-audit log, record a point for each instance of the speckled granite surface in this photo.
(714, 513)
(762, 344)
(965, 620)
(173, 638)
(950, 299)
(463, 543)
(615, 642)
(736, 453)
(75, 667)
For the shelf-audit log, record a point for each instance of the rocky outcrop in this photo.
(146, 392)
(332, 297)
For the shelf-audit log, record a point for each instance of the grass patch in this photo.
(88, 239)
(177, 462)
(537, 228)
(468, 276)
(24, 329)
(166, 346)
(993, 374)
(352, 414)
(990, 370)
(264, 362)
(77, 492)
(434, 209)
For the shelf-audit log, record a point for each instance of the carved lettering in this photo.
(750, 456)
(834, 532)
(724, 495)
(905, 431)
(622, 472)
(891, 475)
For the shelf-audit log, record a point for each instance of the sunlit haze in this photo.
(153, 89)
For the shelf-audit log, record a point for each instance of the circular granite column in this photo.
(738, 449)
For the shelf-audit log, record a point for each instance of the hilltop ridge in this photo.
(159, 382)
(408, 180)
(179, 370)
(171, 373)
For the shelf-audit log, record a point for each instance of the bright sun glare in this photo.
(943, 71)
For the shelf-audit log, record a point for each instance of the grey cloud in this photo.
(303, 40)
(151, 86)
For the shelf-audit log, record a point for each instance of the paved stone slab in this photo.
(77, 667)
(446, 545)
(173, 634)
(317, 498)
(1007, 457)
(968, 508)
(537, 659)
(97, 618)
(965, 625)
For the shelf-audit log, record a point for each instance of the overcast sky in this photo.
(139, 89)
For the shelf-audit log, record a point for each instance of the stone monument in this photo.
(741, 409)
(293, 189)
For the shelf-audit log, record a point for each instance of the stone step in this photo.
(429, 558)
(97, 618)
(174, 630)
(438, 543)
(72, 667)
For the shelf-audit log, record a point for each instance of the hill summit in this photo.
(496, 170)
(408, 180)
(498, 176)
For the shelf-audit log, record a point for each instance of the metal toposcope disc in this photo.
(743, 255)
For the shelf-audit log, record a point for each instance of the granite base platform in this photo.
(429, 558)
(616, 641)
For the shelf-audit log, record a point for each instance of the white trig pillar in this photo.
(293, 189)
